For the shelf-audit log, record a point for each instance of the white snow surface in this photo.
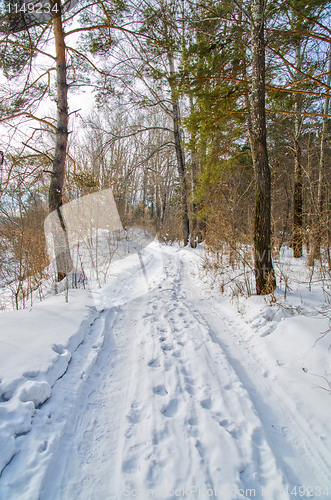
(155, 386)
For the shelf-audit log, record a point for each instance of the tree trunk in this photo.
(62, 251)
(320, 192)
(264, 272)
(195, 231)
(243, 49)
(180, 154)
(195, 207)
(144, 193)
(298, 174)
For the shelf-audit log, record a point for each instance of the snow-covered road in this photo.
(175, 405)
(162, 408)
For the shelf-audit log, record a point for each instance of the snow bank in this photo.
(36, 346)
(288, 339)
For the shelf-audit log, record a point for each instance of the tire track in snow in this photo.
(89, 440)
(214, 359)
(303, 460)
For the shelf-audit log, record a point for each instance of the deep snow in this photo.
(155, 386)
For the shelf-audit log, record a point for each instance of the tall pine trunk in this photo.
(264, 272)
(298, 173)
(316, 253)
(195, 206)
(180, 154)
(62, 251)
(195, 171)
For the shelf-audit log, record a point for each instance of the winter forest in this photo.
(209, 123)
(165, 249)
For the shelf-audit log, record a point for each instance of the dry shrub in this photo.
(24, 258)
(228, 269)
(171, 230)
(227, 261)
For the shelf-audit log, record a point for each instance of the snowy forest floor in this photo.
(169, 390)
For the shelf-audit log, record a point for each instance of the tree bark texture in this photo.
(180, 154)
(194, 221)
(243, 57)
(264, 272)
(320, 188)
(298, 173)
(195, 232)
(62, 251)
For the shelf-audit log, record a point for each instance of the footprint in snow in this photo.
(190, 390)
(188, 380)
(159, 436)
(128, 434)
(130, 465)
(258, 437)
(177, 354)
(93, 396)
(171, 409)
(134, 416)
(154, 363)
(224, 423)
(206, 403)
(230, 427)
(82, 449)
(160, 390)
(166, 347)
(43, 447)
